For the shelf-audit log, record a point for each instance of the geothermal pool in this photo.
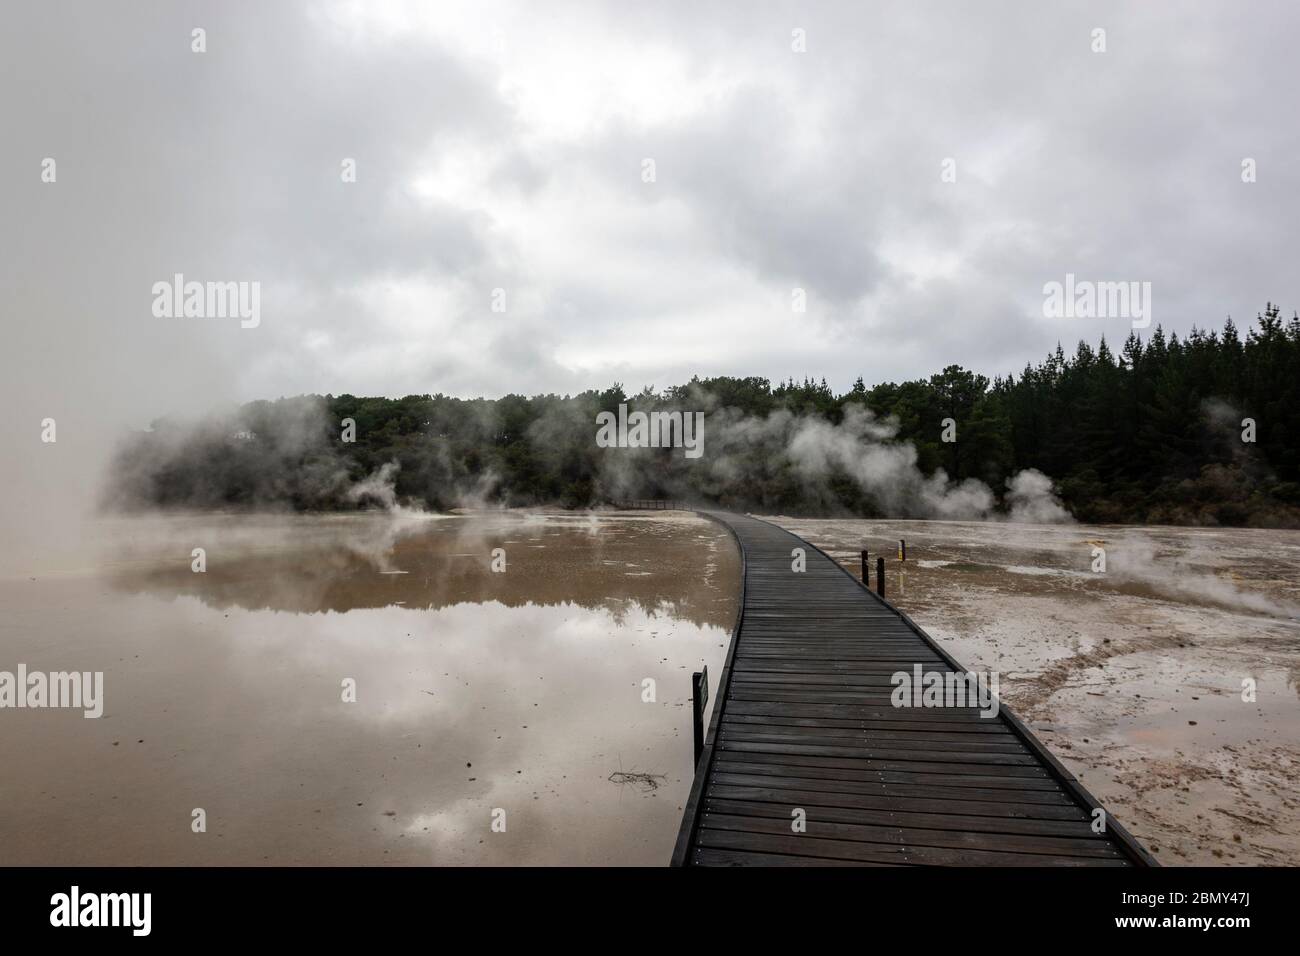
(517, 697)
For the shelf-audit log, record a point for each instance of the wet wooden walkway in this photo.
(803, 722)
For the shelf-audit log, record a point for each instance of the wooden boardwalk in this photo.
(803, 721)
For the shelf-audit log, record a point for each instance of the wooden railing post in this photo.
(880, 576)
(699, 698)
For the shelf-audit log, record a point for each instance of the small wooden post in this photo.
(902, 550)
(699, 698)
(880, 576)
(866, 573)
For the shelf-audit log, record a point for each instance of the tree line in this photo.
(1192, 430)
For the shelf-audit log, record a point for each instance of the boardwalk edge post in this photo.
(699, 700)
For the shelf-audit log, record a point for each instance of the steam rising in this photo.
(377, 488)
(1138, 559)
(289, 454)
(1031, 499)
(786, 461)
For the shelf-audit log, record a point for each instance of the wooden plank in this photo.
(876, 714)
(754, 775)
(882, 852)
(869, 750)
(706, 857)
(911, 739)
(777, 792)
(904, 821)
(848, 761)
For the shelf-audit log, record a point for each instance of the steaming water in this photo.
(475, 690)
(1134, 677)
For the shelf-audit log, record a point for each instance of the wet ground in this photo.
(1169, 683)
(516, 697)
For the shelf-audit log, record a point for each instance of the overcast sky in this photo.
(502, 146)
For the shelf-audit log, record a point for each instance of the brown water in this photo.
(476, 691)
(1133, 677)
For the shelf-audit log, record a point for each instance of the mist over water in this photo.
(290, 454)
(864, 449)
(1197, 572)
